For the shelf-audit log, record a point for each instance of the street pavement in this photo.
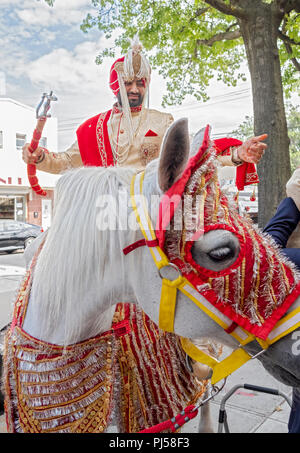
(12, 269)
(248, 411)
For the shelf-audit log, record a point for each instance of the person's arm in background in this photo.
(284, 222)
(286, 219)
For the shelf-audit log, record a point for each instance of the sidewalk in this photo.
(250, 411)
(10, 278)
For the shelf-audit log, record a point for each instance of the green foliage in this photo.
(180, 36)
(172, 32)
(294, 134)
(50, 2)
(287, 51)
(245, 131)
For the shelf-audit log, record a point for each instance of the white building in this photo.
(17, 200)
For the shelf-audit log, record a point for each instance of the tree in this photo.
(192, 41)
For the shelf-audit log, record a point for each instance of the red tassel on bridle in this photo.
(253, 196)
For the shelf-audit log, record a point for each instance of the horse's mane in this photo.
(77, 255)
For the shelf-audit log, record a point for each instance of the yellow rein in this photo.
(239, 356)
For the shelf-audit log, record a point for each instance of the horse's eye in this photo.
(221, 253)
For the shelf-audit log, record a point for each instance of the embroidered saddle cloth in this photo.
(134, 372)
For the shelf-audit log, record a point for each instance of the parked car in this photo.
(15, 235)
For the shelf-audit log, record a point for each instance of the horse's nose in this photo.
(216, 250)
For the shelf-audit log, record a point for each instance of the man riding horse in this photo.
(131, 135)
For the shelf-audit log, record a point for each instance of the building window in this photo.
(20, 209)
(13, 208)
(20, 140)
(7, 208)
(43, 142)
(1, 139)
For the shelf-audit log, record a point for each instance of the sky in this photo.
(42, 48)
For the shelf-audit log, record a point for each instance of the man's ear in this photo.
(174, 154)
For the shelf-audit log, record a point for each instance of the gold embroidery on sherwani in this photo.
(157, 122)
(149, 150)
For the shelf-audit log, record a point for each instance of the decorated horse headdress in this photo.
(260, 285)
(242, 281)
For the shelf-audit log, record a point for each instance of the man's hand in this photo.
(253, 149)
(31, 158)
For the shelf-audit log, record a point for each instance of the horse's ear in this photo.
(174, 154)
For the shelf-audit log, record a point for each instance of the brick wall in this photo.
(34, 205)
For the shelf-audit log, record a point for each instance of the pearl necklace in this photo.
(120, 152)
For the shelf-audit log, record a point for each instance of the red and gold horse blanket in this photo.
(134, 371)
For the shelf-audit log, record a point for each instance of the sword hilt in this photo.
(44, 105)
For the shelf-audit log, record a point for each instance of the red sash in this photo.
(93, 141)
(245, 173)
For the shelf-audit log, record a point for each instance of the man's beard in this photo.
(132, 102)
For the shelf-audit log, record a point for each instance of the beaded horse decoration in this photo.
(259, 287)
(134, 375)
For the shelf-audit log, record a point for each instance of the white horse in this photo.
(81, 271)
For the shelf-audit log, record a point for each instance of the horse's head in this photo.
(228, 264)
(233, 266)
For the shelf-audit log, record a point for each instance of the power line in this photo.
(71, 126)
(227, 97)
(222, 99)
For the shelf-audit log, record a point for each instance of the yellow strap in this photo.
(220, 369)
(286, 325)
(167, 306)
(234, 361)
(168, 303)
(196, 354)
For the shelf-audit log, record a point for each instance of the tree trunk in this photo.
(259, 32)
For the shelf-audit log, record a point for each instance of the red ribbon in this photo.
(140, 243)
(174, 423)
